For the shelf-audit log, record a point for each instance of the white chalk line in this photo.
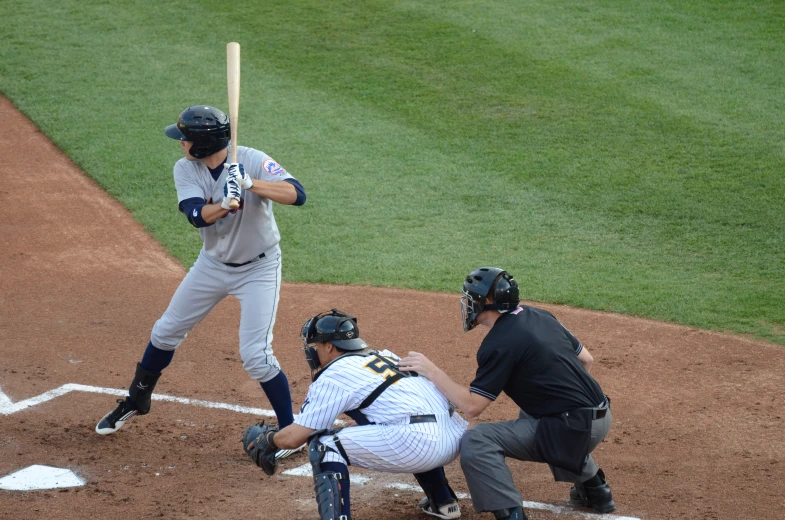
(8, 407)
(306, 471)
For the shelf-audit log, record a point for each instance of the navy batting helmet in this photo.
(206, 127)
(487, 282)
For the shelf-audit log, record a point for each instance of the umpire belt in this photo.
(602, 410)
(416, 419)
(245, 263)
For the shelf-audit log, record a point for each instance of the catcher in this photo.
(403, 423)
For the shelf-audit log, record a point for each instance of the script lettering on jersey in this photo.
(381, 367)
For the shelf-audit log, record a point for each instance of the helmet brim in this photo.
(349, 344)
(174, 132)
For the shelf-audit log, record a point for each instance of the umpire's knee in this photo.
(473, 443)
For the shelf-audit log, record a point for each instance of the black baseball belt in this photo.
(246, 263)
(415, 419)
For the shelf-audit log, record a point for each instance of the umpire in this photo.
(540, 365)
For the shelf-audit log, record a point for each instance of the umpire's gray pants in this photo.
(484, 447)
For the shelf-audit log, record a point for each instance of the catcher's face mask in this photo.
(311, 356)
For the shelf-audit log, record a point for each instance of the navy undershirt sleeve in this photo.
(300, 191)
(192, 208)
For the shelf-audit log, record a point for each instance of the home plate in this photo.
(40, 477)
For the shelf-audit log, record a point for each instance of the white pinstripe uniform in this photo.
(391, 444)
(239, 237)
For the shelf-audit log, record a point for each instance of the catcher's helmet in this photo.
(485, 282)
(334, 327)
(206, 127)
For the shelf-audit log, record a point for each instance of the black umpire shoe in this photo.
(594, 493)
(115, 420)
(516, 513)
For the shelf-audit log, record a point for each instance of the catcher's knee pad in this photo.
(326, 484)
(142, 386)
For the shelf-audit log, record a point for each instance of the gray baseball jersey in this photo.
(247, 232)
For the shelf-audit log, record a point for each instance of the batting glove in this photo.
(237, 172)
(231, 191)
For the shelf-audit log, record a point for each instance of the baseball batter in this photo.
(240, 257)
(404, 424)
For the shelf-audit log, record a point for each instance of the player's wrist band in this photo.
(271, 440)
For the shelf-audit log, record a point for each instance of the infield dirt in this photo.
(698, 433)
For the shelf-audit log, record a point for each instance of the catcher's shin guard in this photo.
(142, 387)
(326, 484)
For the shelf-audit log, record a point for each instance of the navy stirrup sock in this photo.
(277, 392)
(435, 481)
(155, 359)
(337, 467)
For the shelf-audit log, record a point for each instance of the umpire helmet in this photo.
(487, 282)
(206, 127)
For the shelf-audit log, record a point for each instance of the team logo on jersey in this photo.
(273, 168)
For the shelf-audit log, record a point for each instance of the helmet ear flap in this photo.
(506, 295)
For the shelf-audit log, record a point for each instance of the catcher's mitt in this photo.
(257, 446)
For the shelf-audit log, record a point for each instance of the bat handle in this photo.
(234, 204)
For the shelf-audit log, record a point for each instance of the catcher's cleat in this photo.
(115, 420)
(449, 510)
(282, 454)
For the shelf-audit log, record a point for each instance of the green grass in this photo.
(622, 156)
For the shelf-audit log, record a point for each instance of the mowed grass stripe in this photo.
(613, 155)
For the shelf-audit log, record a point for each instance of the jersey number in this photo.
(381, 367)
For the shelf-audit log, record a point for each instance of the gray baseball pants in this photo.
(484, 448)
(256, 286)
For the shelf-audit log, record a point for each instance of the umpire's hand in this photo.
(416, 362)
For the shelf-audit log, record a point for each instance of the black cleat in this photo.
(599, 498)
(115, 420)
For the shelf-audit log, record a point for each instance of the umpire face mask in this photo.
(470, 308)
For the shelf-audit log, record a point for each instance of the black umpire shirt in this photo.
(533, 358)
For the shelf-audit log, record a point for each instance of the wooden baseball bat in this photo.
(233, 84)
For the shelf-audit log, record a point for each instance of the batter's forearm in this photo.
(212, 212)
(280, 192)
